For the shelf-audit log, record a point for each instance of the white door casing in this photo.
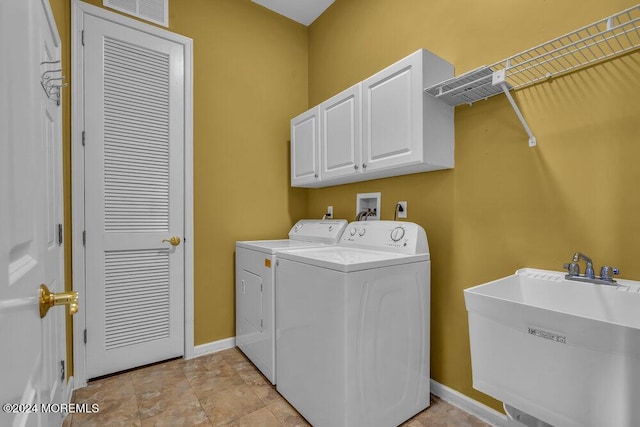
(54, 342)
(133, 198)
(33, 358)
(80, 13)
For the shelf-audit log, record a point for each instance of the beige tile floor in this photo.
(220, 389)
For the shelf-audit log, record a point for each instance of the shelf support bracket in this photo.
(499, 79)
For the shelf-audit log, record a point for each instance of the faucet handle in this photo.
(573, 268)
(607, 273)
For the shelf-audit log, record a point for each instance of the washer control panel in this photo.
(394, 236)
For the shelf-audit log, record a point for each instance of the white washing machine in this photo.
(352, 326)
(255, 287)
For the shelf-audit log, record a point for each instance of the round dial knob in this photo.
(362, 231)
(331, 228)
(352, 232)
(397, 234)
(297, 227)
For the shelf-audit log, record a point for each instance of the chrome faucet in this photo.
(573, 268)
(589, 270)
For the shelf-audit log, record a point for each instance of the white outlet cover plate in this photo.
(403, 214)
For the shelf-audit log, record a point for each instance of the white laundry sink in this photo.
(563, 351)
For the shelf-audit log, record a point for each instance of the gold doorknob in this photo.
(49, 299)
(175, 240)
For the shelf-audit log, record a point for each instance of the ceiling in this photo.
(302, 11)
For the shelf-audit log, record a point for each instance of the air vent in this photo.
(156, 11)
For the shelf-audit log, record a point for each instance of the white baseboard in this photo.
(468, 404)
(214, 346)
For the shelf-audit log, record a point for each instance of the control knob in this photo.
(397, 234)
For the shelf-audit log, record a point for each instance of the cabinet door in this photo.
(392, 119)
(305, 151)
(340, 134)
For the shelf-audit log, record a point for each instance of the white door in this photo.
(134, 196)
(340, 134)
(32, 360)
(305, 148)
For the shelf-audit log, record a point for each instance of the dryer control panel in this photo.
(393, 236)
(318, 231)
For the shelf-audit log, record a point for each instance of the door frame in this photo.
(78, 10)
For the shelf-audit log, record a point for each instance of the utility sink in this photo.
(565, 352)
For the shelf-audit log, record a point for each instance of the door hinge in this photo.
(82, 37)
(59, 234)
(84, 238)
(62, 370)
(83, 138)
(261, 287)
(261, 324)
(85, 336)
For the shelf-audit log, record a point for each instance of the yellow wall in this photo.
(505, 205)
(250, 78)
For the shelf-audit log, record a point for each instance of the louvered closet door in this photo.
(134, 95)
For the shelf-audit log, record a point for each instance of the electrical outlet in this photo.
(329, 212)
(402, 209)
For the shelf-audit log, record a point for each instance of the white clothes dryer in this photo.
(255, 287)
(352, 326)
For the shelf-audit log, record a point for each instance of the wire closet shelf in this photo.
(597, 42)
(607, 38)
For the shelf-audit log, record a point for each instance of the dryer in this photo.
(352, 326)
(255, 287)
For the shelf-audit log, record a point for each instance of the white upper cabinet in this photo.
(400, 125)
(305, 149)
(340, 134)
(385, 125)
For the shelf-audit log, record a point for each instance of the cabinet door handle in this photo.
(315, 175)
(364, 166)
(355, 167)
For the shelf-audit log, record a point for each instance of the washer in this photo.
(255, 266)
(352, 326)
